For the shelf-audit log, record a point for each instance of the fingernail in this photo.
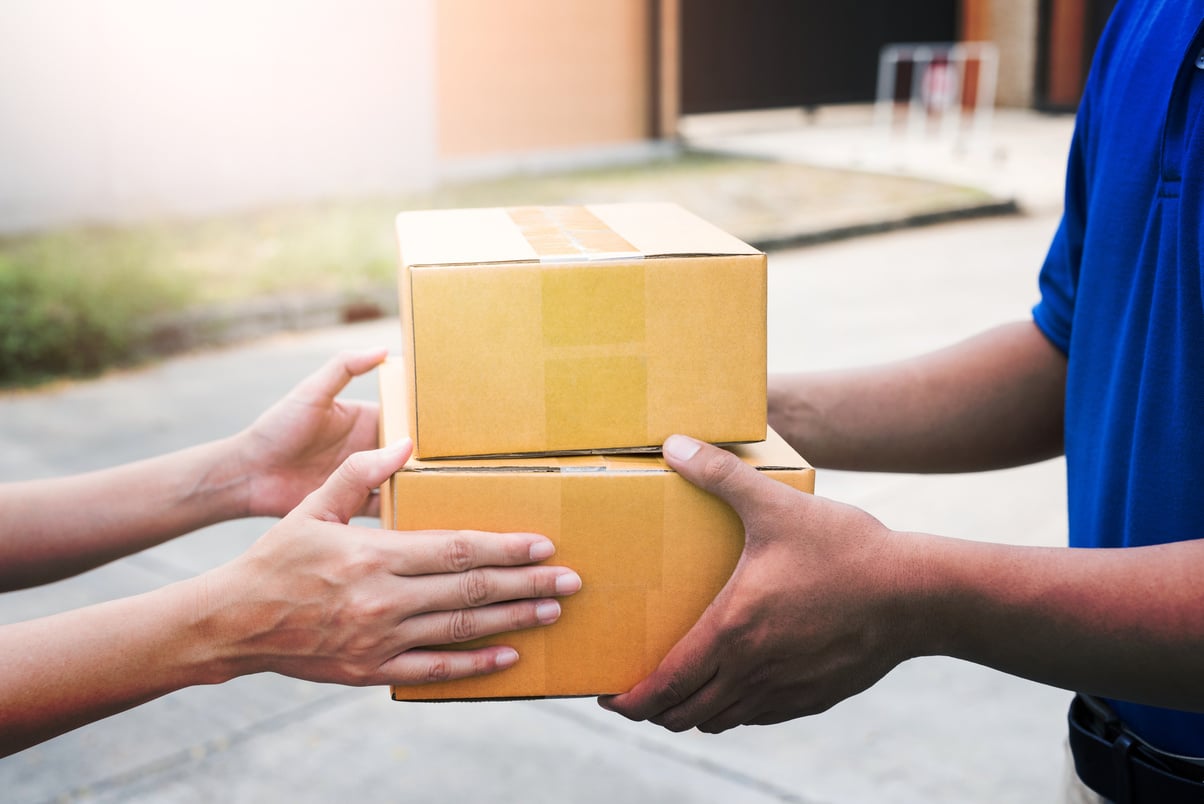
(547, 612)
(400, 444)
(681, 448)
(506, 657)
(568, 583)
(541, 550)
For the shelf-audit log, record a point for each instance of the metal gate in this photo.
(761, 54)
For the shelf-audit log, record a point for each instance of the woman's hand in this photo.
(318, 599)
(297, 443)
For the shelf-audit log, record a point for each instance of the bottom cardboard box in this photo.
(652, 551)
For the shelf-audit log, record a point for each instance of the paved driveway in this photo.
(935, 730)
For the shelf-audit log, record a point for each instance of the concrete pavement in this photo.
(935, 730)
(1018, 154)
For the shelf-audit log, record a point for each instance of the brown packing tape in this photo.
(625, 557)
(594, 319)
(568, 232)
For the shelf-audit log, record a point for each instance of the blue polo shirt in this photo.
(1121, 295)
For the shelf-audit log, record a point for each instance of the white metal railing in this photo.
(951, 92)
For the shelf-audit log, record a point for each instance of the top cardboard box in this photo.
(543, 330)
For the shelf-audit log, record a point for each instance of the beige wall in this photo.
(1014, 29)
(1012, 26)
(521, 75)
(117, 109)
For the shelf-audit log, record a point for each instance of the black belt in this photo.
(1113, 762)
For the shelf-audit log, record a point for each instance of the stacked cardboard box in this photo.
(547, 353)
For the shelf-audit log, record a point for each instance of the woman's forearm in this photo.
(55, 528)
(314, 598)
(60, 672)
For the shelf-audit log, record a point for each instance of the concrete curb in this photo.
(986, 209)
(237, 322)
(230, 323)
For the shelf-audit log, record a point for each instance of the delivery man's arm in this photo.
(826, 600)
(991, 401)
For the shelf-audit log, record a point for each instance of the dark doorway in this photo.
(762, 54)
(1068, 33)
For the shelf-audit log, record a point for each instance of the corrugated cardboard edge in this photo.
(656, 229)
(499, 699)
(408, 337)
(669, 230)
(386, 431)
(771, 454)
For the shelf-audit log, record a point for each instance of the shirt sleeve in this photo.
(1054, 313)
(1058, 281)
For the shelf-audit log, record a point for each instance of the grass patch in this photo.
(70, 301)
(77, 301)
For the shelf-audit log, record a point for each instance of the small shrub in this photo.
(74, 303)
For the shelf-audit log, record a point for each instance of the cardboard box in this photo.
(577, 329)
(652, 551)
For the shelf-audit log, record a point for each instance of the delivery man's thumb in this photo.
(715, 470)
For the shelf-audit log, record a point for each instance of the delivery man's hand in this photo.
(320, 600)
(808, 618)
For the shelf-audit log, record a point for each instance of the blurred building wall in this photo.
(112, 110)
(1014, 29)
(119, 109)
(530, 74)
(1013, 26)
